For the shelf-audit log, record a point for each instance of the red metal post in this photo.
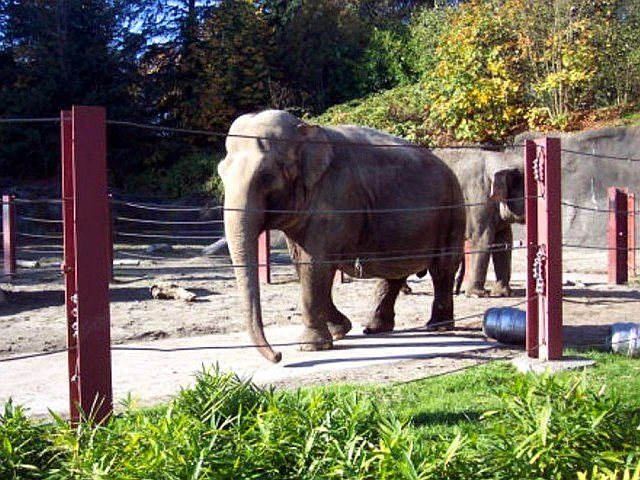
(631, 232)
(617, 235)
(264, 261)
(69, 263)
(92, 376)
(9, 234)
(531, 210)
(550, 249)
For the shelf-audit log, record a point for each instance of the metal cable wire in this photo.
(294, 141)
(38, 235)
(166, 222)
(246, 346)
(167, 237)
(157, 207)
(29, 120)
(40, 200)
(597, 155)
(40, 220)
(600, 210)
(596, 247)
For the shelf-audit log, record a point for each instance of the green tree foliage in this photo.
(490, 68)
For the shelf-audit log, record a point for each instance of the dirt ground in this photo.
(33, 317)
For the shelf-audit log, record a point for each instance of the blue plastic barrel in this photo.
(506, 325)
(625, 338)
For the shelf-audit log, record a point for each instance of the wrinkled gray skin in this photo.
(497, 182)
(313, 170)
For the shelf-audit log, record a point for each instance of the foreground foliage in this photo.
(484, 423)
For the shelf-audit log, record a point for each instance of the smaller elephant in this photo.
(493, 187)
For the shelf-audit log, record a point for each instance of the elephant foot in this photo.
(339, 326)
(437, 325)
(406, 289)
(500, 290)
(379, 324)
(314, 339)
(475, 292)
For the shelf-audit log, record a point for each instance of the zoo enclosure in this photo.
(87, 239)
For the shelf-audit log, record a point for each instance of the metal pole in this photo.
(617, 235)
(264, 261)
(69, 264)
(9, 234)
(549, 255)
(631, 231)
(531, 211)
(92, 269)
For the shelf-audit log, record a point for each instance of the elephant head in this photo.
(507, 188)
(272, 165)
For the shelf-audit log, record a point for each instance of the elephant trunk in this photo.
(242, 227)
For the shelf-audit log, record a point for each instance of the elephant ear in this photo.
(315, 153)
(499, 186)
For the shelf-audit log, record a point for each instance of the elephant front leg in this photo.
(383, 318)
(476, 271)
(322, 321)
(501, 258)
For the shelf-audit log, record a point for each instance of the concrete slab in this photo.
(525, 364)
(153, 372)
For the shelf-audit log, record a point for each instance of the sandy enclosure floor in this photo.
(33, 318)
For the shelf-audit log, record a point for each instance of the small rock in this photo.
(171, 291)
(159, 248)
(219, 247)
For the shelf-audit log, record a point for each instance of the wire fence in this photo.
(358, 259)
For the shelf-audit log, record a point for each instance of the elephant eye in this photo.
(266, 178)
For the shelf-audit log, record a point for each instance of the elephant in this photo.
(493, 187)
(346, 197)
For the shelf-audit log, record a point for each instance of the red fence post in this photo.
(531, 211)
(631, 232)
(87, 244)
(617, 235)
(264, 260)
(9, 234)
(544, 259)
(69, 263)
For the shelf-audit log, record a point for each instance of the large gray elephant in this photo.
(352, 198)
(493, 186)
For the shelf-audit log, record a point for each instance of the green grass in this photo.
(484, 422)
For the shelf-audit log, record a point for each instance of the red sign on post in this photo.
(86, 264)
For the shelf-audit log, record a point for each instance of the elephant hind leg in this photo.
(443, 274)
(502, 262)
(383, 318)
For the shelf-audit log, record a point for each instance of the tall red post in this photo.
(87, 261)
(617, 235)
(631, 232)
(69, 264)
(264, 261)
(544, 258)
(531, 212)
(9, 234)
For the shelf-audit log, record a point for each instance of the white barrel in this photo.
(625, 338)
